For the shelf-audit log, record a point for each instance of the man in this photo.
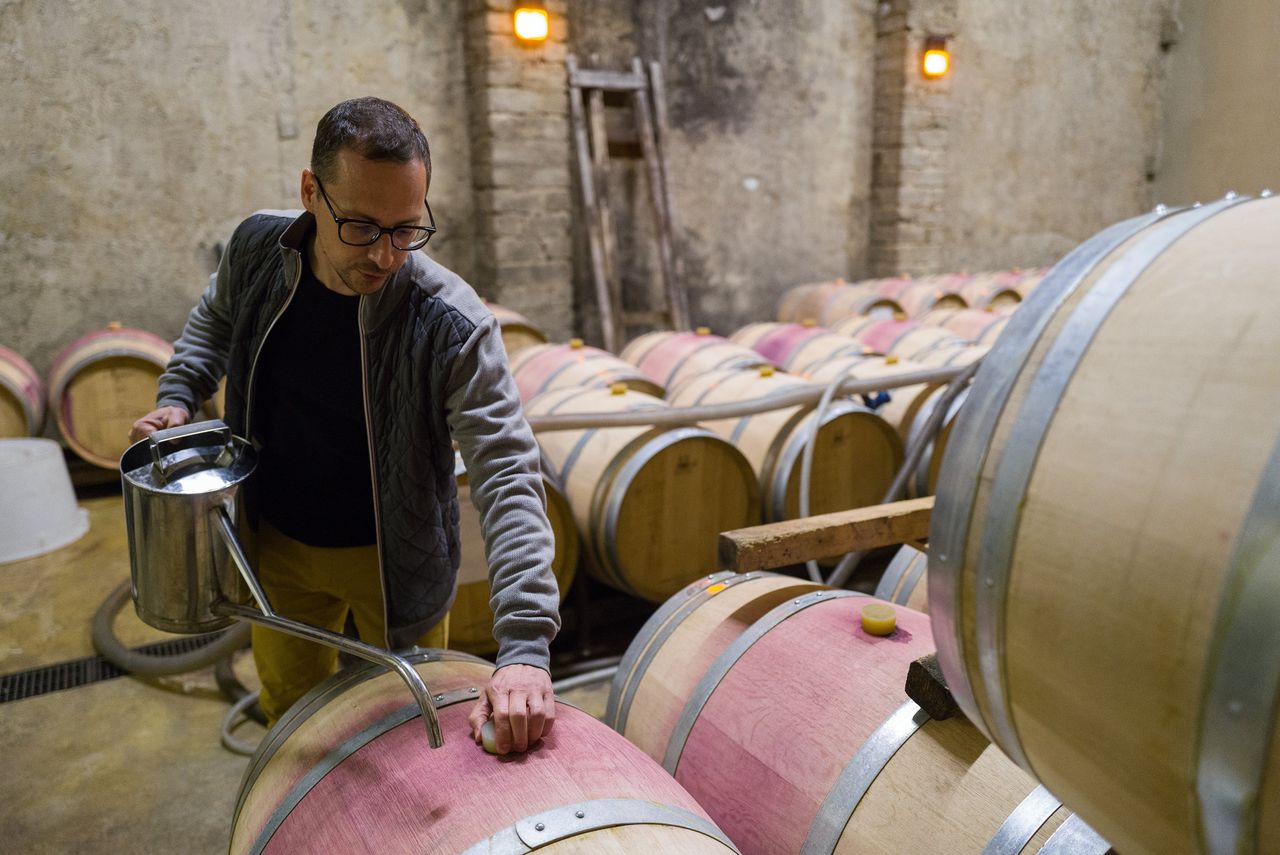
(352, 360)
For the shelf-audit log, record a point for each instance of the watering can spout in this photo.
(191, 574)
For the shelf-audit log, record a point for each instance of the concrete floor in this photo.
(123, 765)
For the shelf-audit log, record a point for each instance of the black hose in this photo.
(110, 648)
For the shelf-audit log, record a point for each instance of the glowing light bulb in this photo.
(532, 25)
(937, 63)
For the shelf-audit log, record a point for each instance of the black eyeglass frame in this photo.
(391, 232)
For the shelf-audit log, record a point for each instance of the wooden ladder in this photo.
(587, 91)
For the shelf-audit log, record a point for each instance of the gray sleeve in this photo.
(503, 469)
(200, 354)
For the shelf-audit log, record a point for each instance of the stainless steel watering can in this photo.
(190, 572)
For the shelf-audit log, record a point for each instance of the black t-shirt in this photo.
(314, 476)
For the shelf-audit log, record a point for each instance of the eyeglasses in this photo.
(364, 233)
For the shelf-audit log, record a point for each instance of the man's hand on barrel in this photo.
(522, 704)
(165, 417)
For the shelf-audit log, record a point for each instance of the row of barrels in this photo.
(734, 729)
(649, 502)
(1102, 577)
(1103, 569)
(97, 387)
(830, 302)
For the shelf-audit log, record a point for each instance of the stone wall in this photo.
(1222, 104)
(912, 122)
(520, 163)
(1054, 127)
(769, 151)
(147, 129)
(141, 132)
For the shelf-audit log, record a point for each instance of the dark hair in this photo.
(373, 128)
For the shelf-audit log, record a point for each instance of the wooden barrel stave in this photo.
(543, 367)
(361, 777)
(1027, 282)
(470, 617)
(649, 502)
(779, 726)
(995, 290)
(22, 401)
(670, 358)
(856, 454)
(905, 582)
(802, 302)
(977, 326)
(904, 402)
(904, 338)
(100, 384)
(518, 332)
(1106, 334)
(860, 299)
(796, 347)
(925, 296)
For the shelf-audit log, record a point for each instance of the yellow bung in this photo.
(879, 619)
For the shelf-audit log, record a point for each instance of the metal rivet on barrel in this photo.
(579, 814)
(541, 826)
(439, 697)
(473, 690)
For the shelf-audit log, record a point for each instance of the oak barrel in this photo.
(856, 453)
(976, 326)
(100, 384)
(995, 290)
(1104, 570)
(796, 345)
(904, 402)
(553, 366)
(905, 580)
(766, 699)
(902, 337)
(518, 332)
(22, 401)
(805, 302)
(860, 298)
(650, 502)
(470, 618)
(1029, 280)
(669, 358)
(348, 769)
(928, 294)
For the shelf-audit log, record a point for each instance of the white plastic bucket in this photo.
(39, 513)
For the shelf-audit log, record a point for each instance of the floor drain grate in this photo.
(91, 669)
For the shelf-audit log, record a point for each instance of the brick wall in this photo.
(519, 129)
(909, 141)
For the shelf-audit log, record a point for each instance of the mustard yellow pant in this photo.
(317, 586)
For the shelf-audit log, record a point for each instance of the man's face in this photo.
(382, 192)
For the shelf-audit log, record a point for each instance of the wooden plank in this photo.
(600, 164)
(650, 317)
(614, 81)
(678, 296)
(927, 686)
(649, 145)
(824, 536)
(594, 238)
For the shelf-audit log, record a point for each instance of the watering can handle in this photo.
(213, 432)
